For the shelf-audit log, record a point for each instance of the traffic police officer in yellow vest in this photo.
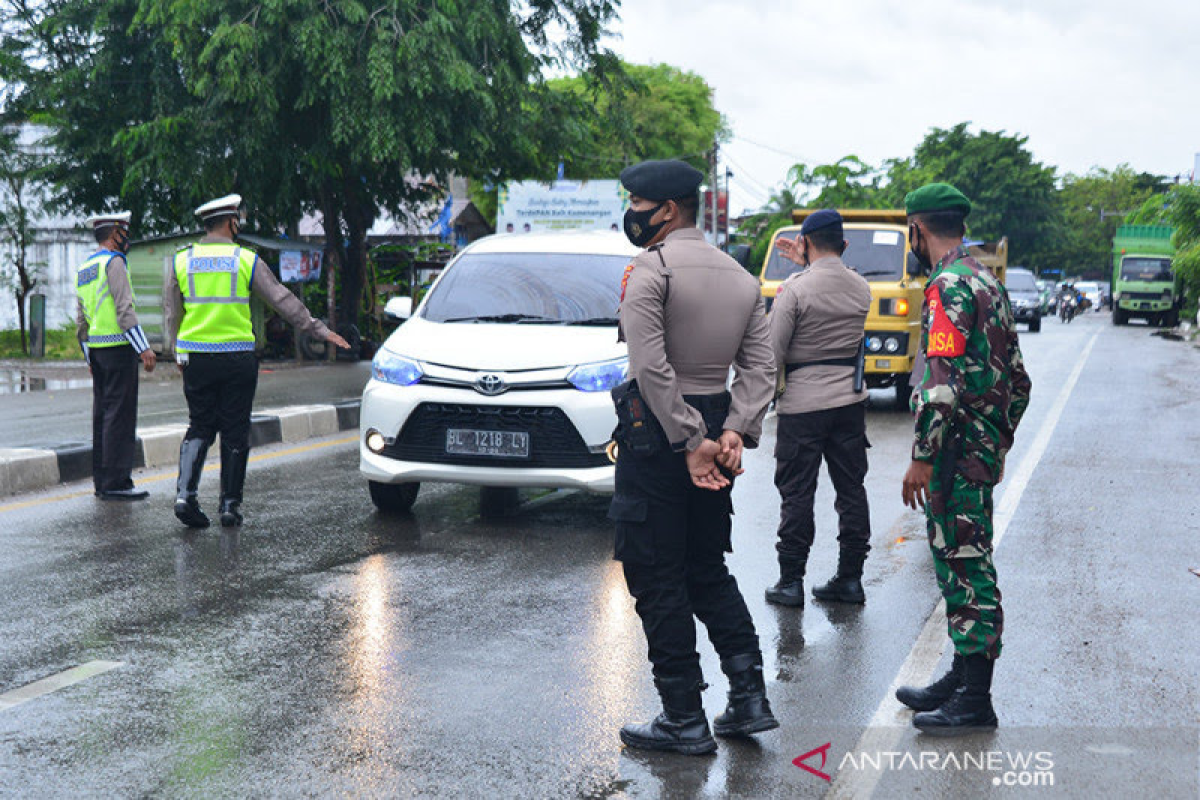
(207, 316)
(110, 335)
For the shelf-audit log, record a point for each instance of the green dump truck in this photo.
(1143, 283)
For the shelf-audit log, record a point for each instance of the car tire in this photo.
(396, 498)
(1035, 326)
(904, 391)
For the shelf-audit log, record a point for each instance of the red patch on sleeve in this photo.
(625, 280)
(945, 340)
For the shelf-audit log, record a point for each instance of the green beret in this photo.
(936, 197)
(661, 180)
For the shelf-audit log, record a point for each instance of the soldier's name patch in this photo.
(945, 340)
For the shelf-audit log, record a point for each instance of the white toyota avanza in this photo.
(501, 376)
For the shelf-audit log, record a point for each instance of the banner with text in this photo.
(526, 206)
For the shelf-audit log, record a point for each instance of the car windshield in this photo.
(1146, 269)
(1087, 288)
(1020, 282)
(531, 288)
(877, 255)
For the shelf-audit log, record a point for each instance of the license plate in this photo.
(883, 363)
(500, 444)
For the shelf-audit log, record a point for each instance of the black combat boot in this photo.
(846, 586)
(191, 466)
(789, 591)
(969, 709)
(748, 710)
(932, 696)
(233, 478)
(681, 727)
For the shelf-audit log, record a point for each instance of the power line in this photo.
(746, 174)
(775, 150)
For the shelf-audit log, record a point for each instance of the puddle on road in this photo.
(17, 381)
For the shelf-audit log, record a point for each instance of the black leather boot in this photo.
(191, 465)
(748, 710)
(969, 709)
(846, 586)
(936, 693)
(681, 727)
(233, 478)
(789, 591)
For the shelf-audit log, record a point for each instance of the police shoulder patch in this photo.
(945, 340)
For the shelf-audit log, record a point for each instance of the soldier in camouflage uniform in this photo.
(973, 391)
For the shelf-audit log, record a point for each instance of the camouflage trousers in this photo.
(959, 520)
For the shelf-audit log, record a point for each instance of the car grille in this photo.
(1141, 295)
(553, 440)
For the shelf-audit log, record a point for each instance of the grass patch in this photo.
(61, 344)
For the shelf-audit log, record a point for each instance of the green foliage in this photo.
(1180, 208)
(1012, 194)
(647, 112)
(847, 183)
(61, 344)
(1087, 235)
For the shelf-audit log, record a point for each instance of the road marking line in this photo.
(170, 476)
(53, 683)
(890, 720)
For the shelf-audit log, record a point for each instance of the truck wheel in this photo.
(1171, 319)
(393, 497)
(1119, 317)
(903, 391)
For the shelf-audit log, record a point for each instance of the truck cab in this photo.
(1143, 282)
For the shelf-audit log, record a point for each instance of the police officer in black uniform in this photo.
(689, 312)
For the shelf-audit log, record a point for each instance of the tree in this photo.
(643, 112)
(1179, 207)
(1092, 206)
(1012, 194)
(849, 182)
(19, 197)
(335, 106)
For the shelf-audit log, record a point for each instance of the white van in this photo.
(501, 376)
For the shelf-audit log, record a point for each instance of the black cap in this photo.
(820, 220)
(661, 180)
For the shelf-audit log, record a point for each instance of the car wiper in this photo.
(593, 321)
(503, 318)
(877, 272)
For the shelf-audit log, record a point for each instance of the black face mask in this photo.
(915, 240)
(638, 229)
(121, 239)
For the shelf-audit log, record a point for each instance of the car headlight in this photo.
(391, 368)
(891, 344)
(874, 343)
(601, 376)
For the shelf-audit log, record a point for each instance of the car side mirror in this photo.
(912, 265)
(398, 308)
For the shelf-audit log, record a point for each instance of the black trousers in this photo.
(219, 388)
(839, 435)
(114, 416)
(671, 539)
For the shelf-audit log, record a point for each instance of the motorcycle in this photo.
(1066, 309)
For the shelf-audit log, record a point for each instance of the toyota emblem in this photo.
(490, 384)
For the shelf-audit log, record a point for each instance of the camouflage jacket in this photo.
(974, 387)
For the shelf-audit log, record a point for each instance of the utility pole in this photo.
(728, 206)
(713, 182)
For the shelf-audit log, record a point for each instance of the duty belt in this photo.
(848, 361)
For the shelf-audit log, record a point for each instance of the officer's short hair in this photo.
(103, 233)
(827, 240)
(944, 224)
(212, 223)
(689, 205)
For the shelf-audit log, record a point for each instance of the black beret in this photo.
(819, 220)
(661, 180)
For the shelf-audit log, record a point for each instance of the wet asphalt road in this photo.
(327, 650)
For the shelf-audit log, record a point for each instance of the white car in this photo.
(501, 377)
(1091, 290)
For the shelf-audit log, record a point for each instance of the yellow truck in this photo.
(877, 248)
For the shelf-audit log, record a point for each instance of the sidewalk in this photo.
(46, 433)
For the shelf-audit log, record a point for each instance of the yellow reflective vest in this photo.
(215, 281)
(91, 284)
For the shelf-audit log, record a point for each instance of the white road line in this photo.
(53, 683)
(891, 718)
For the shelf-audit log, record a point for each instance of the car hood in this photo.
(503, 346)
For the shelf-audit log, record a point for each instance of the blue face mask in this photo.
(638, 229)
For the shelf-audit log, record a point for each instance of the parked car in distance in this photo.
(1025, 297)
(500, 378)
(1092, 293)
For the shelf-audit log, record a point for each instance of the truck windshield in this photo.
(1146, 269)
(876, 254)
(529, 288)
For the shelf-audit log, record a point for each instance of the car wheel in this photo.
(1035, 325)
(904, 391)
(393, 497)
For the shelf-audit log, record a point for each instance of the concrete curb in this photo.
(28, 469)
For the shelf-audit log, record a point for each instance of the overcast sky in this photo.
(1090, 83)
